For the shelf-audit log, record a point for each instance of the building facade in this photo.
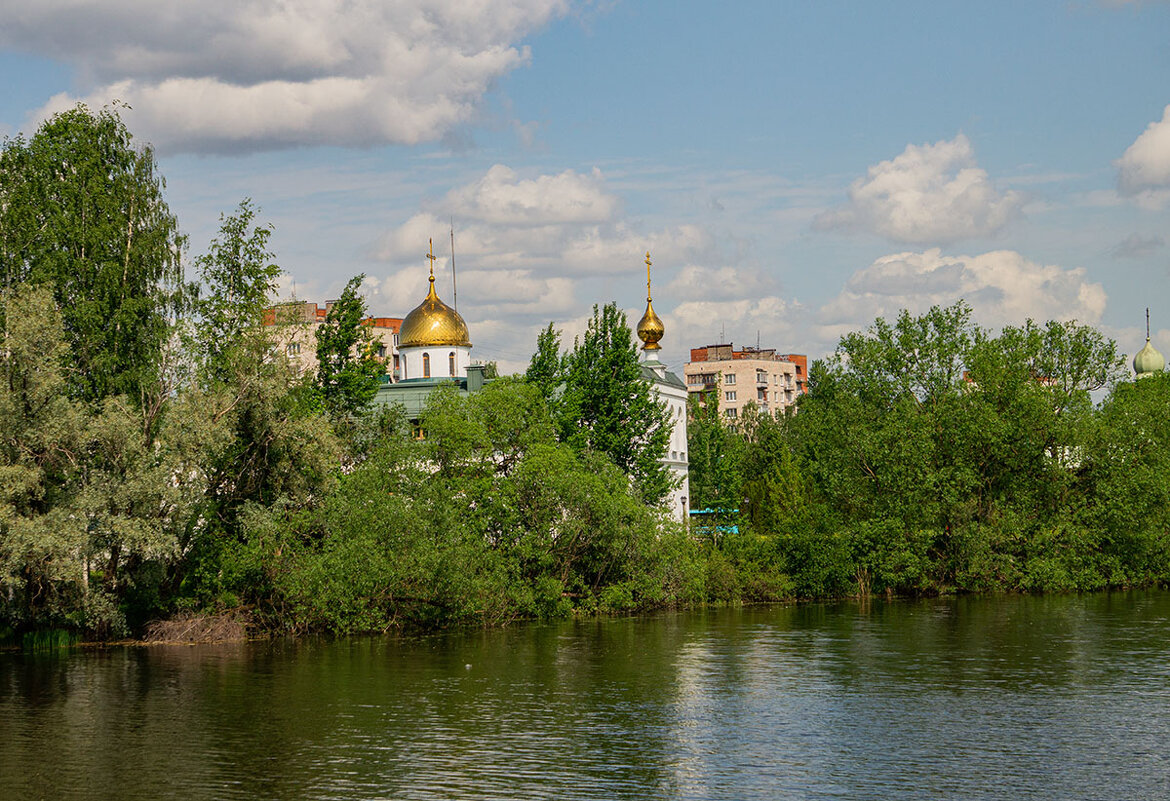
(770, 380)
(293, 330)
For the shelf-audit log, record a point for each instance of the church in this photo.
(434, 346)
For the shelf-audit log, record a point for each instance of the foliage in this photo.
(148, 468)
(602, 404)
(239, 280)
(934, 456)
(90, 496)
(714, 450)
(486, 519)
(347, 370)
(82, 211)
(546, 370)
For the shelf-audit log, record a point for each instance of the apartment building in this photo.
(294, 331)
(772, 381)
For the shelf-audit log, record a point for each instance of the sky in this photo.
(794, 169)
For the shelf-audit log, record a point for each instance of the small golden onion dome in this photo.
(650, 327)
(433, 322)
(1148, 361)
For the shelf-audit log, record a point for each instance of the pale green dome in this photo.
(1148, 361)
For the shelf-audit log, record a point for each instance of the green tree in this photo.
(715, 455)
(239, 280)
(82, 211)
(607, 405)
(43, 545)
(347, 370)
(547, 368)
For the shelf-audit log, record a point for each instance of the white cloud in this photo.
(501, 197)
(536, 247)
(719, 283)
(1002, 287)
(928, 194)
(1145, 165)
(226, 75)
(564, 224)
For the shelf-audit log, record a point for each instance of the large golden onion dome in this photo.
(650, 327)
(433, 322)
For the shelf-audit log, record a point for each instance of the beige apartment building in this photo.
(294, 331)
(772, 381)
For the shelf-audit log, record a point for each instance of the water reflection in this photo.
(1062, 696)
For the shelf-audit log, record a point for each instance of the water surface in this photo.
(1017, 697)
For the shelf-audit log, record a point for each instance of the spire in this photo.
(431, 257)
(650, 327)
(649, 299)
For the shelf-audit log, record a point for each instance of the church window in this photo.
(451, 362)
(426, 365)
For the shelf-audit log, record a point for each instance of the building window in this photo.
(451, 362)
(426, 365)
(292, 348)
(729, 378)
(730, 396)
(730, 413)
(381, 351)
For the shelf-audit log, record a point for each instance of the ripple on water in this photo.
(974, 698)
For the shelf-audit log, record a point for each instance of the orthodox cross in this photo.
(431, 256)
(648, 298)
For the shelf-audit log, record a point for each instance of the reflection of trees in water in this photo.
(885, 699)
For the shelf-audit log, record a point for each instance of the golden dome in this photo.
(433, 322)
(650, 327)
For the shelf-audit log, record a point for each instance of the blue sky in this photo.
(796, 169)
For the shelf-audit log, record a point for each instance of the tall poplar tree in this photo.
(608, 407)
(347, 372)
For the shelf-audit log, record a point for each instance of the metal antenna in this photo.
(454, 288)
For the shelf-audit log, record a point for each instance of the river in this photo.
(974, 698)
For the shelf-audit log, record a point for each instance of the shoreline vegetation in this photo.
(164, 473)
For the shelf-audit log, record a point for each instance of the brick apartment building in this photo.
(295, 332)
(772, 381)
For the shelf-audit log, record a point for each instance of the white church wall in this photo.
(412, 360)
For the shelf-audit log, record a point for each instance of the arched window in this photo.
(426, 365)
(451, 362)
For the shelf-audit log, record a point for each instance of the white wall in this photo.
(412, 361)
(676, 457)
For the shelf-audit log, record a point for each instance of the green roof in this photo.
(670, 379)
